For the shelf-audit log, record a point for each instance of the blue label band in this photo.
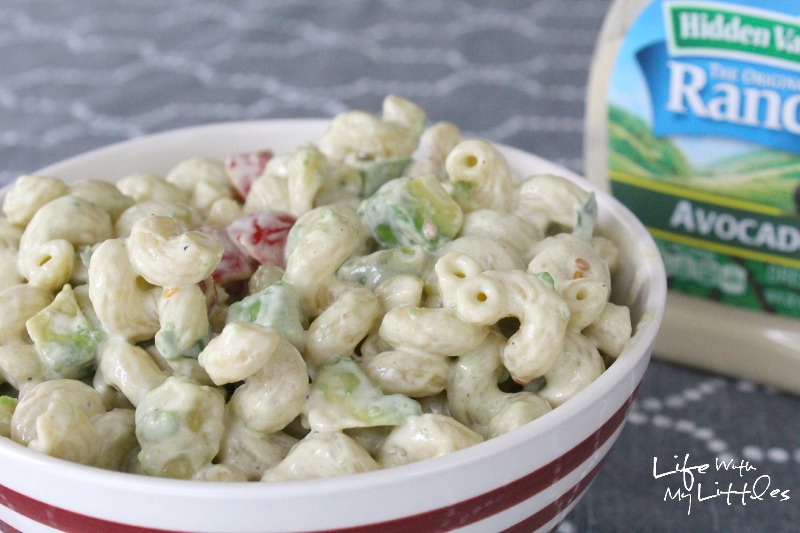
(753, 103)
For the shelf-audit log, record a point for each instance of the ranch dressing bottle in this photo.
(693, 122)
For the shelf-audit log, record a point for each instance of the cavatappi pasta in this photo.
(389, 293)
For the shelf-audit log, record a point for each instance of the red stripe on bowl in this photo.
(5, 528)
(493, 502)
(542, 517)
(63, 519)
(442, 519)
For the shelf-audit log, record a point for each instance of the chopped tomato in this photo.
(244, 168)
(235, 265)
(263, 235)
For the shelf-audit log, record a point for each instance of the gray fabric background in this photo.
(79, 74)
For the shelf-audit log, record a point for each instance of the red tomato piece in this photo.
(244, 168)
(235, 265)
(263, 235)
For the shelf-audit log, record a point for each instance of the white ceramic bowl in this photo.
(526, 480)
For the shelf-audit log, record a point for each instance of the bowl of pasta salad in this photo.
(367, 323)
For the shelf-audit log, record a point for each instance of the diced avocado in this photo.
(7, 406)
(342, 396)
(277, 307)
(170, 345)
(586, 218)
(370, 270)
(412, 211)
(374, 174)
(64, 337)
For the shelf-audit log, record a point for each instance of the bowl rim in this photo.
(639, 347)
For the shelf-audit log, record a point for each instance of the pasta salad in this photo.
(388, 293)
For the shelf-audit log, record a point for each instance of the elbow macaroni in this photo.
(480, 175)
(164, 253)
(356, 304)
(474, 396)
(486, 298)
(125, 303)
(47, 246)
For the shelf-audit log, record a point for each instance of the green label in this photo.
(723, 225)
(726, 253)
(700, 27)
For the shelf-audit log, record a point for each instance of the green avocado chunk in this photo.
(412, 211)
(342, 396)
(64, 337)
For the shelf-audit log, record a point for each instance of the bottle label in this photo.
(704, 145)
